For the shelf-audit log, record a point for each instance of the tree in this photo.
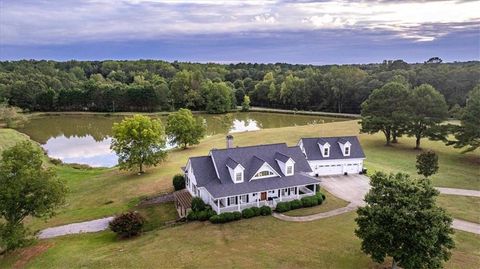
(434, 60)
(183, 129)
(138, 141)
(246, 103)
(27, 188)
(402, 220)
(468, 133)
(429, 109)
(218, 97)
(127, 224)
(427, 163)
(386, 110)
(178, 182)
(12, 116)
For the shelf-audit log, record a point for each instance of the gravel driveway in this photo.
(351, 188)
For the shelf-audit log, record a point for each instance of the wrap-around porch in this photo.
(261, 198)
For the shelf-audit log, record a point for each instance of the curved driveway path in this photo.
(352, 188)
(76, 228)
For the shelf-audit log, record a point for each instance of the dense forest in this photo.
(151, 85)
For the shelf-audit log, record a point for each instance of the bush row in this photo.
(201, 215)
(308, 201)
(246, 214)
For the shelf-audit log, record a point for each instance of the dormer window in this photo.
(326, 151)
(347, 151)
(238, 177)
(345, 146)
(289, 170)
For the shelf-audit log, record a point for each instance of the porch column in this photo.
(218, 206)
(238, 202)
(314, 188)
(297, 191)
(280, 195)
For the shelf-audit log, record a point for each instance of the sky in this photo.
(304, 31)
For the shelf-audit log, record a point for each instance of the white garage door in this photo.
(329, 169)
(352, 168)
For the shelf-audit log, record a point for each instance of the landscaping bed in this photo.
(330, 203)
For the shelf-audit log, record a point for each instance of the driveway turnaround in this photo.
(76, 228)
(352, 188)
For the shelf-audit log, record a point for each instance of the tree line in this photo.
(151, 85)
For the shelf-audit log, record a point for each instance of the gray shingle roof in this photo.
(281, 157)
(312, 149)
(251, 158)
(231, 163)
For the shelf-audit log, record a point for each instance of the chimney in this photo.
(229, 141)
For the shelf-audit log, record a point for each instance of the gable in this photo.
(264, 168)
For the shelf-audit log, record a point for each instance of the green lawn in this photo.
(261, 242)
(8, 138)
(461, 207)
(156, 216)
(258, 242)
(331, 202)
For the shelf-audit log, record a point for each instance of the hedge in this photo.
(198, 204)
(203, 215)
(308, 201)
(265, 210)
(246, 214)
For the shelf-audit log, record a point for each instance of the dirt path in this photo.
(29, 253)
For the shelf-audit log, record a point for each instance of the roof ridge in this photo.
(260, 145)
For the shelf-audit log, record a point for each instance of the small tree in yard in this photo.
(138, 141)
(427, 163)
(178, 182)
(127, 224)
(27, 188)
(184, 129)
(402, 220)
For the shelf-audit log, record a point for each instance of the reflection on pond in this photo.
(85, 139)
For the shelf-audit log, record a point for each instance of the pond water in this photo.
(85, 139)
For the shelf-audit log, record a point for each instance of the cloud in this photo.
(60, 22)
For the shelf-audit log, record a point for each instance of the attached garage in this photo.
(333, 155)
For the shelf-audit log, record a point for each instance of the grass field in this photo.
(331, 202)
(258, 242)
(461, 207)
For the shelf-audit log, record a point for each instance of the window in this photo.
(325, 151)
(347, 150)
(238, 177)
(264, 174)
(232, 200)
(289, 170)
(244, 198)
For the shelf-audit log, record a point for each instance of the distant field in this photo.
(259, 242)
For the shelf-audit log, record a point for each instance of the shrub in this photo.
(283, 207)
(295, 204)
(229, 216)
(324, 197)
(127, 224)
(319, 198)
(13, 236)
(216, 219)
(198, 204)
(309, 201)
(178, 182)
(237, 215)
(203, 215)
(255, 210)
(265, 210)
(248, 213)
(192, 215)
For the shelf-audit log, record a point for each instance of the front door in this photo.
(263, 196)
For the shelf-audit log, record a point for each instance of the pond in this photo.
(85, 139)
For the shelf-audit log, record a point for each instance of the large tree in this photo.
(138, 141)
(468, 133)
(429, 109)
(183, 129)
(27, 189)
(386, 109)
(218, 97)
(401, 220)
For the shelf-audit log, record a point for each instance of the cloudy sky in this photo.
(305, 31)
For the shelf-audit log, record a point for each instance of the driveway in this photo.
(351, 188)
